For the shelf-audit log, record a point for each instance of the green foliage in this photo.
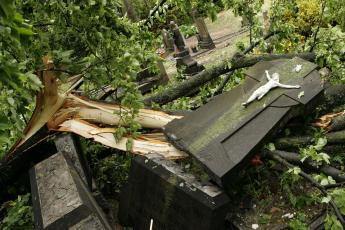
(17, 83)
(110, 167)
(19, 215)
(332, 223)
(313, 153)
(339, 198)
(188, 30)
(299, 222)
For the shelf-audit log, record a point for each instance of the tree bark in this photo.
(295, 159)
(337, 124)
(296, 142)
(181, 89)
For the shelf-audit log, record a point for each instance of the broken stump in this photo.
(158, 189)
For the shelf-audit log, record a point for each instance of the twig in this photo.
(310, 179)
(336, 185)
(318, 26)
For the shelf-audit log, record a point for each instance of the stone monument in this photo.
(182, 54)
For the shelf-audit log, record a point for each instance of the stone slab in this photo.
(158, 189)
(222, 135)
(60, 199)
(69, 144)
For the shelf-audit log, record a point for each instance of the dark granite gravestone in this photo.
(223, 135)
(182, 55)
(61, 200)
(160, 191)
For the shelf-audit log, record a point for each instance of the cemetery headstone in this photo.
(69, 144)
(223, 134)
(159, 191)
(61, 199)
(182, 55)
(204, 38)
(168, 41)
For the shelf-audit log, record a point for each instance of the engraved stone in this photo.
(60, 199)
(158, 189)
(223, 135)
(182, 56)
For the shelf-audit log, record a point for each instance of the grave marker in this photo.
(61, 200)
(182, 55)
(159, 190)
(204, 38)
(223, 135)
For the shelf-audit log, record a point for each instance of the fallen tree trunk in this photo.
(296, 142)
(181, 89)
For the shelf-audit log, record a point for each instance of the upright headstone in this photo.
(182, 55)
(163, 73)
(168, 41)
(204, 38)
(159, 191)
(223, 135)
(61, 199)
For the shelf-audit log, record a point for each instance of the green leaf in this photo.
(321, 142)
(271, 146)
(301, 94)
(339, 198)
(332, 223)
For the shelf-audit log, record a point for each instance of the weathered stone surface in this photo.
(69, 144)
(223, 135)
(182, 56)
(158, 189)
(60, 199)
(168, 41)
(204, 38)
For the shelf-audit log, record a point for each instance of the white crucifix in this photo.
(271, 84)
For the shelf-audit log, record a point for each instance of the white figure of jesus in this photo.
(271, 84)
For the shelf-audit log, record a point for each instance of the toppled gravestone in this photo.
(159, 191)
(61, 199)
(223, 134)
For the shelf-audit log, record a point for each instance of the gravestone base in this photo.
(205, 43)
(184, 60)
(158, 189)
(61, 199)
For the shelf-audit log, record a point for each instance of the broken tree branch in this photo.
(295, 159)
(246, 51)
(296, 142)
(310, 179)
(181, 89)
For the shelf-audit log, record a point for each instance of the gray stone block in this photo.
(60, 199)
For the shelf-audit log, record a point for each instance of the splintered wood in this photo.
(97, 120)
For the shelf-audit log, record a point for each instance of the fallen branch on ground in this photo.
(295, 159)
(296, 142)
(311, 180)
(181, 89)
